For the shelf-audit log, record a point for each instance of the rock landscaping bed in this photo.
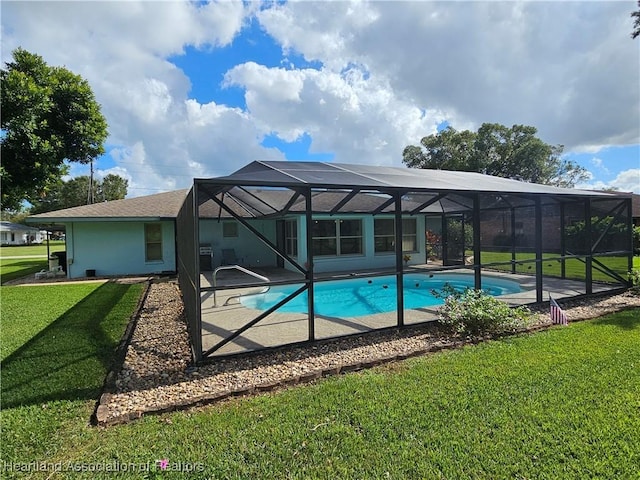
(156, 374)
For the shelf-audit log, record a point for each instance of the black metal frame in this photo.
(208, 189)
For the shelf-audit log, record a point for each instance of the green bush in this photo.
(636, 240)
(475, 312)
(634, 278)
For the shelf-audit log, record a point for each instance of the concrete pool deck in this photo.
(221, 321)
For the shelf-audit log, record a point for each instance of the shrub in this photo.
(475, 312)
(636, 240)
(634, 278)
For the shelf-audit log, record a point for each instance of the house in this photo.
(296, 225)
(121, 237)
(16, 234)
(353, 227)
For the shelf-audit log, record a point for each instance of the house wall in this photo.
(116, 248)
(252, 252)
(369, 259)
(249, 249)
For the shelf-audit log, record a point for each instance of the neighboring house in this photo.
(635, 209)
(16, 234)
(121, 237)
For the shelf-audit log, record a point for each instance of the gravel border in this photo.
(156, 374)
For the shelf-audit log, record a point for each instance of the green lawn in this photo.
(574, 268)
(17, 268)
(26, 311)
(561, 403)
(58, 340)
(54, 246)
(12, 268)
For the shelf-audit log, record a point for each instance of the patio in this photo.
(277, 329)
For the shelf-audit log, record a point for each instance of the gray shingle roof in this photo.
(157, 206)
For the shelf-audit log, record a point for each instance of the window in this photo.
(152, 242)
(325, 237)
(291, 237)
(229, 229)
(337, 237)
(384, 235)
(350, 232)
(409, 235)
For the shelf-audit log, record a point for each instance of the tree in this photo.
(49, 115)
(497, 150)
(75, 192)
(636, 24)
(113, 187)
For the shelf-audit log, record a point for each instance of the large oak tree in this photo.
(494, 149)
(49, 115)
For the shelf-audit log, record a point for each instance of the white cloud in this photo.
(625, 181)
(598, 163)
(568, 68)
(358, 118)
(390, 72)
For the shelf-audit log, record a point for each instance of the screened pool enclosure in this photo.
(283, 253)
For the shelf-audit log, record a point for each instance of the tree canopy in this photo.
(75, 192)
(636, 23)
(497, 150)
(49, 115)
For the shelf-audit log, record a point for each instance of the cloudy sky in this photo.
(200, 89)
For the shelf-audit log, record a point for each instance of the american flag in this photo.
(558, 317)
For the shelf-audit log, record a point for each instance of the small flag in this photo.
(558, 317)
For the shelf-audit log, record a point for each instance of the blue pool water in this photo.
(366, 296)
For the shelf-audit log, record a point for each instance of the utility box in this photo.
(53, 262)
(62, 259)
(206, 257)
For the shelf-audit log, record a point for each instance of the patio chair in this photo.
(229, 257)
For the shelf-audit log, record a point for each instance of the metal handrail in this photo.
(242, 269)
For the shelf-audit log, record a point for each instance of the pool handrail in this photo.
(242, 269)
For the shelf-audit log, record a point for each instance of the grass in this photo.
(26, 311)
(23, 250)
(12, 268)
(58, 340)
(574, 268)
(562, 403)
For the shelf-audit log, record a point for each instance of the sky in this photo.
(198, 89)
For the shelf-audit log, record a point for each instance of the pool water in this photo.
(367, 296)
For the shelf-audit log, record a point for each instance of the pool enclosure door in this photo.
(453, 234)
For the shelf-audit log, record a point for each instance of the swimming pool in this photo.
(367, 296)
